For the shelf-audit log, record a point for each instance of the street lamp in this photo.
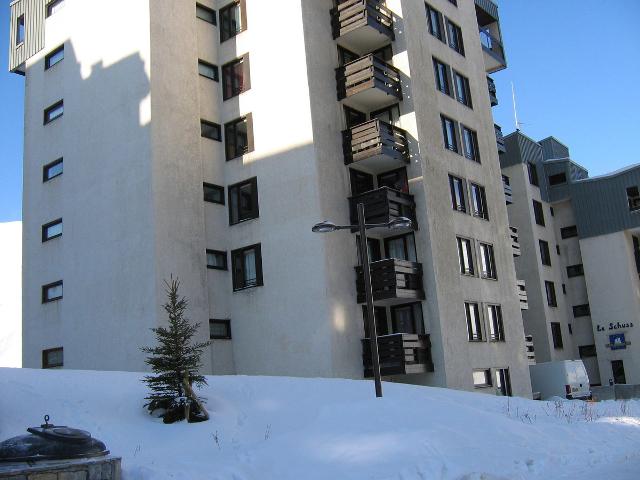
(362, 227)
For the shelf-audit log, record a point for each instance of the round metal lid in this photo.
(61, 433)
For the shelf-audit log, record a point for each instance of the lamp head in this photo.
(324, 227)
(400, 222)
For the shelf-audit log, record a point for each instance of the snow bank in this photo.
(11, 294)
(293, 429)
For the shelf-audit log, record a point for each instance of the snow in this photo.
(10, 294)
(291, 428)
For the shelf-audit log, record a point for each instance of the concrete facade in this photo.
(132, 204)
(595, 227)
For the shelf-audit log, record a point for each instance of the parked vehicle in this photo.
(565, 379)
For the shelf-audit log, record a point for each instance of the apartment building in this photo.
(204, 139)
(580, 258)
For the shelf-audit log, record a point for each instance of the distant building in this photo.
(580, 244)
(205, 139)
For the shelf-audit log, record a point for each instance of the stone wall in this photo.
(89, 469)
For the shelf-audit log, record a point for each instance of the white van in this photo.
(565, 379)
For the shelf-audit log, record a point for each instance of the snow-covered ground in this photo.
(292, 429)
(11, 294)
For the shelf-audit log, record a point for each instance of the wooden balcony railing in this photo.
(502, 148)
(493, 92)
(369, 73)
(400, 354)
(522, 294)
(515, 241)
(392, 279)
(508, 191)
(383, 205)
(352, 15)
(377, 143)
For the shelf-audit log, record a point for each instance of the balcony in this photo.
(383, 205)
(399, 354)
(393, 281)
(368, 84)
(493, 93)
(508, 191)
(522, 294)
(376, 145)
(529, 348)
(515, 241)
(494, 58)
(502, 148)
(362, 25)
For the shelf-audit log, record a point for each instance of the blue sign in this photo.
(617, 341)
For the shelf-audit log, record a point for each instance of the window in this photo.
(587, 351)
(52, 292)
(54, 111)
(474, 322)
(470, 142)
(538, 213)
(463, 91)
(52, 170)
(441, 72)
(407, 318)
(238, 138)
(243, 201)
(20, 30)
(617, 369)
(570, 328)
(247, 267)
(487, 262)
(454, 33)
(395, 179)
(206, 14)
(235, 78)
(54, 57)
(551, 294)
(455, 2)
(503, 382)
(533, 174)
(457, 194)
(633, 197)
(545, 254)
(581, 310)
(465, 256)
(210, 130)
(482, 378)
(232, 20)
(373, 248)
(564, 289)
(557, 179)
(52, 230)
(558, 249)
(219, 329)
(575, 270)
(52, 358)
(361, 182)
(496, 326)
(450, 133)
(569, 232)
(213, 193)
(402, 247)
(216, 260)
(54, 6)
(479, 202)
(556, 334)
(434, 20)
(209, 70)
(382, 325)
(552, 212)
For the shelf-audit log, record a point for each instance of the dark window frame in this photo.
(479, 206)
(250, 214)
(545, 253)
(587, 351)
(550, 290)
(239, 281)
(210, 11)
(472, 336)
(538, 213)
(226, 30)
(474, 152)
(575, 270)
(556, 335)
(491, 272)
(436, 29)
(47, 118)
(236, 78)
(417, 319)
(503, 382)
(222, 254)
(21, 30)
(442, 73)
(217, 188)
(231, 149)
(47, 287)
(569, 232)
(45, 228)
(533, 174)
(220, 321)
(465, 245)
(46, 169)
(462, 90)
(206, 125)
(487, 375)
(406, 245)
(496, 331)
(45, 358)
(51, 6)
(52, 54)
(216, 73)
(446, 122)
(583, 310)
(454, 36)
(557, 179)
(458, 204)
(633, 198)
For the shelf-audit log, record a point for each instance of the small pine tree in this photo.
(175, 362)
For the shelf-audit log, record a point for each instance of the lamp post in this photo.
(362, 227)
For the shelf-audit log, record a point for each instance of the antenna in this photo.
(515, 110)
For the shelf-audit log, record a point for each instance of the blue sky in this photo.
(574, 63)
